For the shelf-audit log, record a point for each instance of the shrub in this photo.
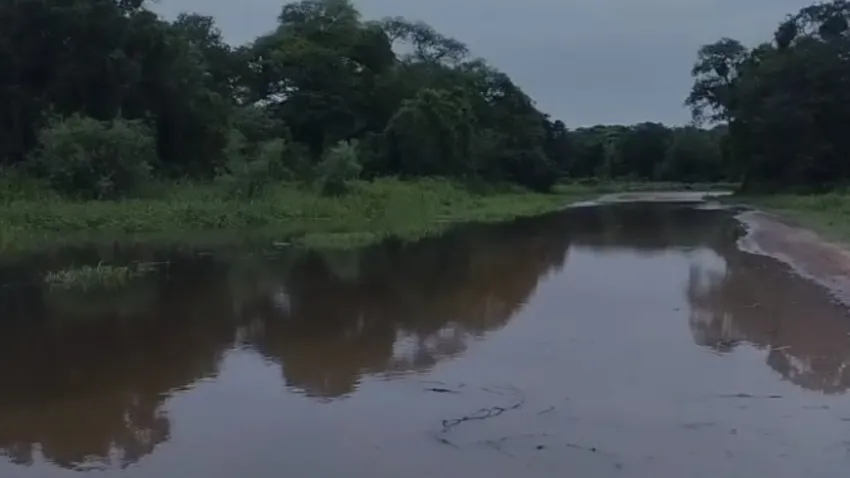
(258, 125)
(372, 155)
(251, 168)
(538, 172)
(86, 158)
(235, 150)
(529, 168)
(285, 161)
(339, 166)
(246, 179)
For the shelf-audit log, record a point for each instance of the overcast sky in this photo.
(583, 61)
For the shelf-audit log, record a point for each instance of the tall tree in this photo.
(786, 101)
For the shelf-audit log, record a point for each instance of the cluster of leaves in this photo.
(786, 102)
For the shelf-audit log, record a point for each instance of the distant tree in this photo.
(640, 150)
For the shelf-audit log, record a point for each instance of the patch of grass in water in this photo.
(93, 278)
(134, 300)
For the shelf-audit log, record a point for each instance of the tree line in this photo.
(772, 117)
(101, 95)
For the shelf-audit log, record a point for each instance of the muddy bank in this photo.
(679, 197)
(808, 253)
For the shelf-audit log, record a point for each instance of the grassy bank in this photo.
(284, 213)
(827, 214)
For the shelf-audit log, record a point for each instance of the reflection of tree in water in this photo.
(86, 388)
(404, 307)
(752, 299)
(85, 381)
(759, 301)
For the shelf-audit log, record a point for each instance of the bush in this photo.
(86, 158)
(372, 155)
(252, 167)
(258, 125)
(339, 166)
(235, 150)
(530, 168)
(286, 161)
(246, 179)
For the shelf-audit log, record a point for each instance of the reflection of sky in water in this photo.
(707, 269)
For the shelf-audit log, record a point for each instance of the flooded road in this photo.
(632, 340)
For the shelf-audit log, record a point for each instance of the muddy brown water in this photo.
(631, 340)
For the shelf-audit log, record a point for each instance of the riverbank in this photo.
(285, 213)
(206, 215)
(810, 233)
(809, 253)
(826, 214)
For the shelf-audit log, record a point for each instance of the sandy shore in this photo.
(808, 253)
(694, 197)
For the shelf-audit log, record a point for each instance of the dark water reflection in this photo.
(86, 380)
(753, 301)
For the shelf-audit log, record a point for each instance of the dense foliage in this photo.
(90, 86)
(647, 152)
(786, 102)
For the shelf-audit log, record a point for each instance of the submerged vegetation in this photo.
(95, 278)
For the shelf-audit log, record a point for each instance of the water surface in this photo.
(619, 340)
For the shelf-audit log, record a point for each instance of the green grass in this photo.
(32, 218)
(827, 214)
(94, 278)
(204, 214)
